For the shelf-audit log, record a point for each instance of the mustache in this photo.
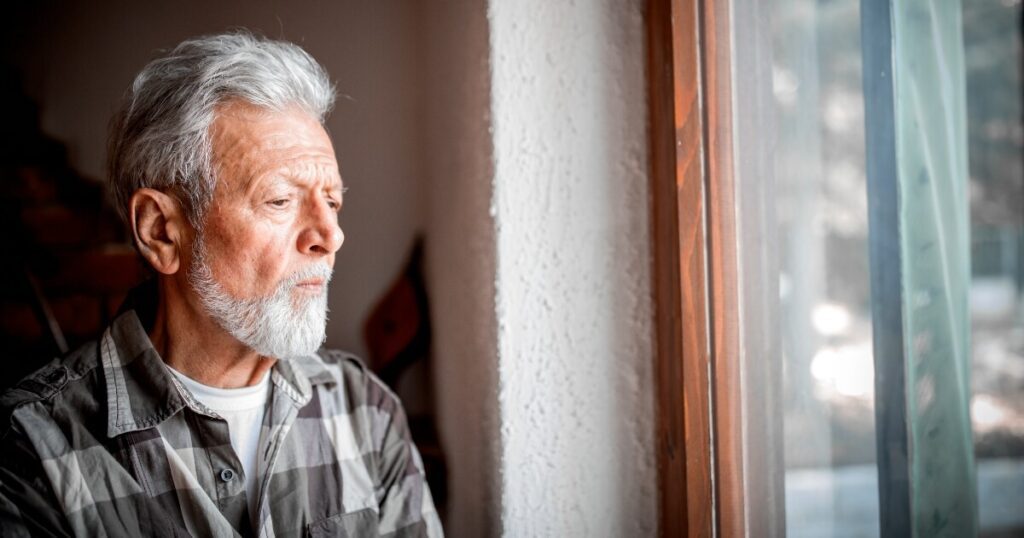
(320, 270)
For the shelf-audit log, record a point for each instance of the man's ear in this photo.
(159, 226)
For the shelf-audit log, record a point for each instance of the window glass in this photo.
(820, 191)
(995, 139)
(824, 282)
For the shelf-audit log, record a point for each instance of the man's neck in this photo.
(191, 342)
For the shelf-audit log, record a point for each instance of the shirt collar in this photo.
(142, 393)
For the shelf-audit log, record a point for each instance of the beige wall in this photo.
(461, 250)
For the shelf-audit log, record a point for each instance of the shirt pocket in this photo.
(352, 524)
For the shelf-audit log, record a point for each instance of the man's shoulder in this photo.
(353, 380)
(341, 359)
(51, 381)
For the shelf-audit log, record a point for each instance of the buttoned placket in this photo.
(223, 474)
(284, 409)
(225, 466)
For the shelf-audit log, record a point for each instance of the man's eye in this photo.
(281, 202)
(333, 205)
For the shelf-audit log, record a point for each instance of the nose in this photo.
(321, 234)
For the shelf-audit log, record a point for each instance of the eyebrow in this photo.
(305, 174)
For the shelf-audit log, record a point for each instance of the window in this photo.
(838, 198)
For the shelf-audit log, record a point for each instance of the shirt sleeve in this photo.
(406, 506)
(28, 506)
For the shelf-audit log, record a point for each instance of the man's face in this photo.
(263, 260)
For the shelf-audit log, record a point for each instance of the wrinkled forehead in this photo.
(249, 142)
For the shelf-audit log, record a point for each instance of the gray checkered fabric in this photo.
(106, 442)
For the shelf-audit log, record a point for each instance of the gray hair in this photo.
(160, 137)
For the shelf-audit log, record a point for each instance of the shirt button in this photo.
(55, 376)
(227, 475)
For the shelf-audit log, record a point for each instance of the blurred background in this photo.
(824, 277)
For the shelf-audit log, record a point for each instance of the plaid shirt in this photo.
(106, 442)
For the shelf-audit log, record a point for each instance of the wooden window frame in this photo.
(683, 360)
(718, 358)
(709, 484)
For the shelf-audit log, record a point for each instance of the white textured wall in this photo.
(574, 314)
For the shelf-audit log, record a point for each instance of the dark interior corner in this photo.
(69, 263)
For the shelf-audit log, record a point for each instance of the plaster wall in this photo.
(574, 316)
(77, 59)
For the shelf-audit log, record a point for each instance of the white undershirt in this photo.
(243, 409)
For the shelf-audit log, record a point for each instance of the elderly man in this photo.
(207, 407)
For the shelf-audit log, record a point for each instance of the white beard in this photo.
(278, 325)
